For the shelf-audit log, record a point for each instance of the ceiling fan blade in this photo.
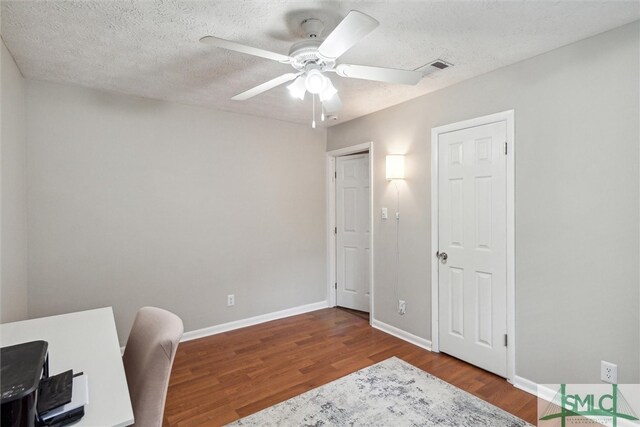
(265, 86)
(332, 104)
(349, 31)
(237, 47)
(379, 74)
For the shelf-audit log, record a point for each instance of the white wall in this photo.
(13, 155)
(137, 202)
(577, 203)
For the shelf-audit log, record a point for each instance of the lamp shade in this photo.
(395, 167)
(297, 89)
(328, 91)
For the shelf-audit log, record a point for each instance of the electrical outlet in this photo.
(402, 306)
(231, 300)
(608, 372)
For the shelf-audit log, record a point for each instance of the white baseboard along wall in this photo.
(250, 321)
(243, 323)
(403, 335)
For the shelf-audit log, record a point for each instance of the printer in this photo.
(23, 366)
(32, 398)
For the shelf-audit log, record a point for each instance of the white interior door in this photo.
(472, 236)
(353, 231)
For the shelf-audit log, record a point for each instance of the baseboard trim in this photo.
(403, 335)
(533, 388)
(250, 321)
(243, 323)
(525, 385)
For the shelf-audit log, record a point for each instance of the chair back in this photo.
(148, 357)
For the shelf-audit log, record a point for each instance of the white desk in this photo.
(84, 341)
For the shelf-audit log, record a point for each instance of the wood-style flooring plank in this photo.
(221, 378)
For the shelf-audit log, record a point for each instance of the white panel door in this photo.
(353, 229)
(472, 233)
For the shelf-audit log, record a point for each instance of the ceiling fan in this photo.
(313, 58)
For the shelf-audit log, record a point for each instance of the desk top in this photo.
(84, 341)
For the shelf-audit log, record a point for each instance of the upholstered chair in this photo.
(147, 359)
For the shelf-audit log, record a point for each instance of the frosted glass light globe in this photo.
(297, 89)
(315, 82)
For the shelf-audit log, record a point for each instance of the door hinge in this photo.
(335, 174)
(335, 230)
(505, 148)
(335, 285)
(505, 340)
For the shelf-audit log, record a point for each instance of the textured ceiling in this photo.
(151, 48)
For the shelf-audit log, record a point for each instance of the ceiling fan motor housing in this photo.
(305, 55)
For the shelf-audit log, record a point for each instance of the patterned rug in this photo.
(389, 393)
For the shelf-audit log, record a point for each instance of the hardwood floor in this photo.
(362, 314)
(218, 379)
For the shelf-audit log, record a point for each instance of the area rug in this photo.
(390, 393)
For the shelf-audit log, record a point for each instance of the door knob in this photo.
(442, 256)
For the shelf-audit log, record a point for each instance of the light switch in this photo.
(385, 213)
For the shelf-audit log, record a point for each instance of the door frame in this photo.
(331, 220)
(508, 117)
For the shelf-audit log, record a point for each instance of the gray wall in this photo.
(577, 203)
(13, 154)
(137, 202)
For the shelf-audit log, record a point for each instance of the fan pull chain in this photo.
(313, 117)
(322, 114)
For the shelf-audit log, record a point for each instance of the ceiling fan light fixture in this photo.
(315, 82)
(298, 88)
(328, 91)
